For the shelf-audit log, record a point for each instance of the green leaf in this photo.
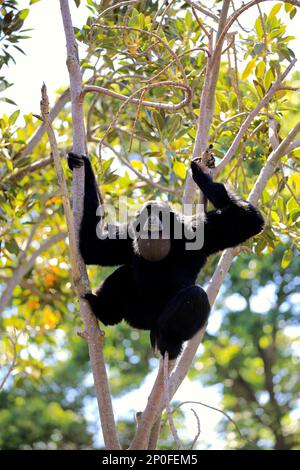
(9, 165)
(293, 13)
(248, 69)
(258, 28)
(158, 120)
(288, 7)
(134, 20)
(259, 88)
(260, 69)
(12, 246)
(274, 11)
(174, 125)
(7, 100)
(294, 215)
(180, 169)
(77, 3)
(287, 258)
(188, 19)
(23, 14)
(269, 79)
(32, 2)
(14, 117)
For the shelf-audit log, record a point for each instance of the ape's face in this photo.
(153, 236)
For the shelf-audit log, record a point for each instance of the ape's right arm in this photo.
(110, 249)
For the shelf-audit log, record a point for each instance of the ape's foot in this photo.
(75, 160)
(92, 300)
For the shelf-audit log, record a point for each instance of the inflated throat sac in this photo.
(153, 249)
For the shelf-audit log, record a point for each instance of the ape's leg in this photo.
(180, 320)
(112, 299)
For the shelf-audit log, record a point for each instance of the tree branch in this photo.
(149, 104)
(94, 336)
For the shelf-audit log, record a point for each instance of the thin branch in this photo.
(244, 127)
(33, 168)
(139, 173)
(117, 5)
(198, 429)
(200, 23)
(203, 10)
(207, 104)
(149, 104)
(223, 123)
(263, 28)
(188, 402)
(294, 145)
(12, 364)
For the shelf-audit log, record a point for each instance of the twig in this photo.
(198, 429)
(135, 120)
(12, 364)
(200, 23)
(211, 408)
(264, 29)
(203, 10)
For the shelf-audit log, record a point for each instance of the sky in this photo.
(45, 61)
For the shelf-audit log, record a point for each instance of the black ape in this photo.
(154, 288)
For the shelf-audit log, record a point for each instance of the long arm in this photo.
(234, 220)
(110, 249)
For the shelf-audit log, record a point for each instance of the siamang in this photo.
(154, 288)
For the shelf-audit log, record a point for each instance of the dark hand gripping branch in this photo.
(160, 296)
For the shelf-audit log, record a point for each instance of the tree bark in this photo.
(95, 338)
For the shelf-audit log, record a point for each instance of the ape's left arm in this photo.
(234, 220)
(114, 246)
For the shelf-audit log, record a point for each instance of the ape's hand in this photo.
(75, 160)
(203, 163)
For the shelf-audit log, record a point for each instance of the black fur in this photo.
(161, 296)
